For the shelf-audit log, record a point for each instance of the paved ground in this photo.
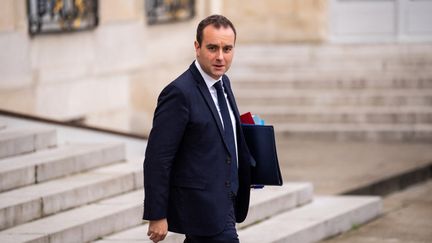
(407, 218)
(338, 167)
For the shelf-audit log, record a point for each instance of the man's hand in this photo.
(157, 230)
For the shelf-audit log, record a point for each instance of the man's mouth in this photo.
(218, 66)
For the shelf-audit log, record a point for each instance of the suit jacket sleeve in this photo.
(169, 122)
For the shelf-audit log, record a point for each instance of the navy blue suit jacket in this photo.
(186, 167)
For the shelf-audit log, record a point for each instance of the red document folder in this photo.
(247, 118)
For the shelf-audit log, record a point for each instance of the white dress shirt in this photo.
(210, 82)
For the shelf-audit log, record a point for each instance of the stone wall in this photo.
(110, 75)
(278, 21)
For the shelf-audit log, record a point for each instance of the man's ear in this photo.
(197, 46)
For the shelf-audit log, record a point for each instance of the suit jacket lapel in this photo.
(209, 100)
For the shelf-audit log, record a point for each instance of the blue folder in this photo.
(261, 142)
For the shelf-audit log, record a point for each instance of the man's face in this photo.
(216, 50)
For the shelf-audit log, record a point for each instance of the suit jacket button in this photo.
(227, 184)
(228, 161)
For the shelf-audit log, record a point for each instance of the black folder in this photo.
(261, 142)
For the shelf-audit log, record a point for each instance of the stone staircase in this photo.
(84, 192)
(341, 92)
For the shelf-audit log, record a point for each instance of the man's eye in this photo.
(227, 49)
(212, 48)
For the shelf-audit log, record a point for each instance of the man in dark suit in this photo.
(197, 164)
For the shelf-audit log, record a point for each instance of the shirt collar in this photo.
(208, 80)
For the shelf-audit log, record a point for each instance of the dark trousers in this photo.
(228, 235)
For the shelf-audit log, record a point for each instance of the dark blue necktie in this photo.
(229, 138)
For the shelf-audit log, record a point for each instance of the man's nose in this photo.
(219, 55)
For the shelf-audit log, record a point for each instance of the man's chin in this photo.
(218, 73)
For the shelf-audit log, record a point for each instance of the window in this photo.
(48, 16)
(162, 11)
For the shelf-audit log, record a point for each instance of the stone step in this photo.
(335, 66)
(334, 98)
(276, 82)
(16, 141)
(281, 57)
(312, 75)
(330, 52)
(264, 203)
(338, 92)
(33, 202)
(274, 199)
(357, 132)
(324, 217)
(340, 68)
(344, 62)
(139, 234)
(337, 53)
(347, 115)
(338, 59)
(44, 165)
(82, 224)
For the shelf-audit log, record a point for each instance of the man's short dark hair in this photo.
(217, 21)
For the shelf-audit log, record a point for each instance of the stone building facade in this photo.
(105, 76)
(110, 76)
